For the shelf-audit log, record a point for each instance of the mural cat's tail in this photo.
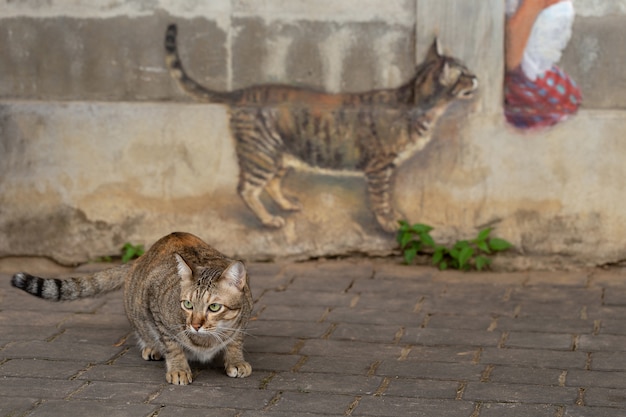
(56, 289)
(175, 67)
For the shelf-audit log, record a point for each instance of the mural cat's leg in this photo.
(250, 192)
(379, 184)
(274, 190)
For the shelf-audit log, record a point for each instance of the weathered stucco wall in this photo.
(99, 146)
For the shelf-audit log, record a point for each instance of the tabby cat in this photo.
(183, 298)
(370, 132)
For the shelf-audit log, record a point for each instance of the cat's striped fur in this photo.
(182, 297)
(370, 132)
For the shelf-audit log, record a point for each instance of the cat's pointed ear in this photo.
(447, 77)
(236, 275)
(434, 53)
(183, 268)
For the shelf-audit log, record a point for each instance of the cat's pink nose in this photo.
(195, 326)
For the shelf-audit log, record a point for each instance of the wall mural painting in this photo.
(370, 132)
(537, 93)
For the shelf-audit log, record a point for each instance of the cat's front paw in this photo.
(389, 223)
(179, 377)
(150, 354)
(239, 370)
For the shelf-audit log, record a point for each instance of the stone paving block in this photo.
(615, 297)
(41, 368)
(531, 340)
(58, 408)
(553, 294)
(576, 411)
(472, 307)
(560, 310)
(60, 351)
(280, 414)
(281, 312)
(37, 387)
(171, 411)
(454, 354)
(286, 328)
(151, 372)
(535, 358)
(578, 378)
(613, 326)
(465, 322)
(20, 333)
(421, 388)
(391, 270)
(517, 410)
(15, 406)
(528, 394)
(92, 336)
(118, 392)
(373, 316)
(449, 337)
(271, 361)
(567, 279)
(318, 382)
(431, 370)
(365, 332)
(608, 361)
(201, 396)
(344, 365)
(34, 319)
(525, 375)
(312, 402)
(371, 301)
(414, 407)
(341, 348)
(540, 324)
(602, 342)
(98, 321)
(385, 288)
(300, 298)
(270, 344)
(605, 397)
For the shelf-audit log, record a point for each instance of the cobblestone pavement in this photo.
(350, 337)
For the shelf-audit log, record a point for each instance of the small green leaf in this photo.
(410, 254)
(483, 235)
(499, 244)
(482, 262)
(464, 256)
(427, 239)
(404, 240)
(483, 246)
(421, 228)
(438, 255)
(443, 266)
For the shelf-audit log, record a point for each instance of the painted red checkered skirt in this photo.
(544, 102)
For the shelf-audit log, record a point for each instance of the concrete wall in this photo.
(99, 146)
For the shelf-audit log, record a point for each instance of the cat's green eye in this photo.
(215, 307)
(187, 305)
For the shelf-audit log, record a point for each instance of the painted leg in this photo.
(250, 194)
(379, 191)
(274, 190)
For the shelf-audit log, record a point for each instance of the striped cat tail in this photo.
(67, 289)
(176, 70)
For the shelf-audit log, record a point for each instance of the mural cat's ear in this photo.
(183, 268)
(434, 53)
(235, 275)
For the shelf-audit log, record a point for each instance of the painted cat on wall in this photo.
(275, 127)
